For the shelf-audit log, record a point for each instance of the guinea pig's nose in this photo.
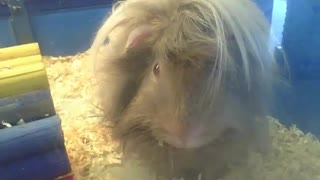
(182, 131)
(185, 135)
(179, 130)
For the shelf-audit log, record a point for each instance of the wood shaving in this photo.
(20, 122)
(6, 124)
(94, 156)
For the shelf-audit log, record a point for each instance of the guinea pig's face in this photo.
(170, 101)
(163, 91)
(177, 112)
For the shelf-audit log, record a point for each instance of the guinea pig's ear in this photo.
(138, 35)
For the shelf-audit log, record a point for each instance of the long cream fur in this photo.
(238, 17)
(237, 23)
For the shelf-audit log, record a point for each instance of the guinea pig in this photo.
(187, 84)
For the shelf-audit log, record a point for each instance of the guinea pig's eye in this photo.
(156, 69)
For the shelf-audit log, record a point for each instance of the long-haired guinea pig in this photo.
(186, 83)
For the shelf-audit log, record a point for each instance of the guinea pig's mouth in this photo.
(185, 144)
(194, 139)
